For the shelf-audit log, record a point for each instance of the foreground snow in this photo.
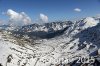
(59, 50)
(48, 53)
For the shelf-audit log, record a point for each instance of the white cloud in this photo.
(16, 18)
(43, 18)
(77, 10)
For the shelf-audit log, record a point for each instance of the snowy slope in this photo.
(19, 49)
(43, 54)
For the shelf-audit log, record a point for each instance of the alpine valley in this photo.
(62, 43)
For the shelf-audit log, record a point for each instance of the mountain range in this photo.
(51, 44)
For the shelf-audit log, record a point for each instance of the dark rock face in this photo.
(94, 53)
(52, 30)
(53, 26)
(90, 35)
(96, 63)
(42, 34)
(1, 64)
(9, 58)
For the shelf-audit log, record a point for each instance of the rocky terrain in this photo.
(51, 44)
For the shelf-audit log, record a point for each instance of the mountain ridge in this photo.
(51, 44)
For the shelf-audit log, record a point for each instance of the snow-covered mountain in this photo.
(46, 27)
(52, 44)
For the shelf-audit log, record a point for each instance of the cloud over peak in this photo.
(77, 10)
(43, 18)
(16, 18)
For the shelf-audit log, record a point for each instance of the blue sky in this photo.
(54, 9)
